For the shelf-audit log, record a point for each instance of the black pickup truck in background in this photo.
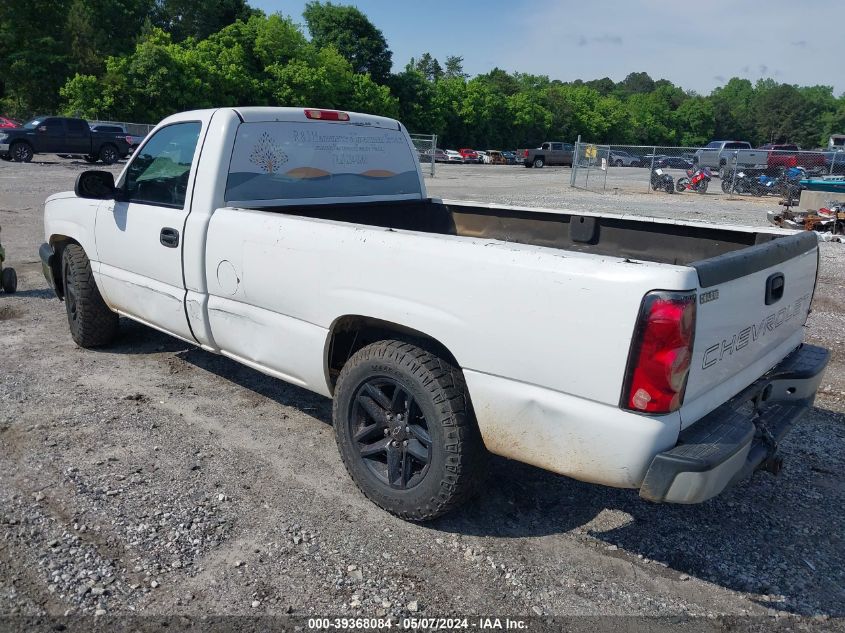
(61, 135)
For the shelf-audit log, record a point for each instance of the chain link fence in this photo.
(590, 166)
(717, 171)
(426, 144)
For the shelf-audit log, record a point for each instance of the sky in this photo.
(697, 46)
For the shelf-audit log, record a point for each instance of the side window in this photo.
(713, 145)
(557, 146)
(159, 173)
(77, 127)
(54, 126)
(544, 146)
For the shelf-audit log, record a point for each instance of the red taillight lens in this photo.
(525, 153)
(327, 115)
(660, 353)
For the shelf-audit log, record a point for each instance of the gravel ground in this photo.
(155, 478)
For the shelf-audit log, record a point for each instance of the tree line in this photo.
(141, 60)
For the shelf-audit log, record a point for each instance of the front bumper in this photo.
(742, 435)
(48, 267)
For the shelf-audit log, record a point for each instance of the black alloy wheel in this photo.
(390, 432)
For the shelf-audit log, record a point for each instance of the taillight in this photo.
(525, 153)
(327, 115)
(661, 351)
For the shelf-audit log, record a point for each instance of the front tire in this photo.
(91, 322)
(21, 152)
(108, 154)
(406, 431)
(9, 280)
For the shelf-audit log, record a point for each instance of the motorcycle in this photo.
(786, 184)
(659, 180)
(738, 183)
(696, 180)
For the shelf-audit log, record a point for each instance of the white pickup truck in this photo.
(631, 352)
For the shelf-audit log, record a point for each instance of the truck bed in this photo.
(650, 240)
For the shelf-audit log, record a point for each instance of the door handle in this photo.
(169, 237)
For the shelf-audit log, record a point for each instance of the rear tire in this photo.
(406, 431)
(91, 322)
(539, 162)
(9, 280)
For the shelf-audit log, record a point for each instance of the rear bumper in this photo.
(730, 443)
(4, 147)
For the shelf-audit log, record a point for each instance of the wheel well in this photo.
(351, 333)
(58, 242)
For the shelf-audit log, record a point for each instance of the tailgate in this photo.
(752, 305)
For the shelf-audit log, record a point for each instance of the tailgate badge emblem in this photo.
(707, 297)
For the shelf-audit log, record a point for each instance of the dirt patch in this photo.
(8, 312)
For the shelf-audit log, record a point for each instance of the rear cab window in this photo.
(281, 162)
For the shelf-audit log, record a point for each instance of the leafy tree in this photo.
(696, 118)
(455, 67)
(732, 105)
(352, 35)
(429, 67)
(33, 61)
(415, 95)
(635, 84)
(198, 18)
(96, 29)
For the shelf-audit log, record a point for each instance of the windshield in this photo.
(31, 125)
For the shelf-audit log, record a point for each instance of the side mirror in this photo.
(95, 184)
